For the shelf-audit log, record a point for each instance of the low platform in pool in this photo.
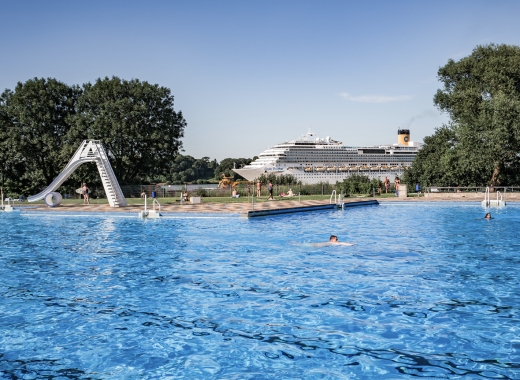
(243, 209)
(428, 290)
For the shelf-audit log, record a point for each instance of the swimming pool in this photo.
(429, 290)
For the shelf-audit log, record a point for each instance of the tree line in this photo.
(43, 121)
(480, 146)
(185, 168)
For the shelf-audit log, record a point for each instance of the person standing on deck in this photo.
(270, 192)
(258, 189)
(397, 182)
(387, 184)
(85, 191)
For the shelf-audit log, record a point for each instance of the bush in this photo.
(357, 184)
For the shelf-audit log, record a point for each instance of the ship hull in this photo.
(321, 177)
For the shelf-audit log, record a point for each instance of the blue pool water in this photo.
(429, 290)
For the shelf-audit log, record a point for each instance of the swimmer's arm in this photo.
(329, 243)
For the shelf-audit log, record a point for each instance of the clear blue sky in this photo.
(249, 74)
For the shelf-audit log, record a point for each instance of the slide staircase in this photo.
(89, 151)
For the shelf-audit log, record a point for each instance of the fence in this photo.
(470, 189)
(161, 191)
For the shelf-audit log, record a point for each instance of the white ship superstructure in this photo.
(315, 160)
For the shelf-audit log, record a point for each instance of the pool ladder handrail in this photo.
(150, 214)
(338, 199)
(333, 195)
(156, 202)
(486, 197)
(488, 202)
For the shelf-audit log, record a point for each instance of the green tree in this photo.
(192, 169)
(438, 162)
(356, 184)
(34, 121)
(136, 122)
(481, 94)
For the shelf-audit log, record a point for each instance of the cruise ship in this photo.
(311, 159)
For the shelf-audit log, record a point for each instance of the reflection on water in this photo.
(427, 291)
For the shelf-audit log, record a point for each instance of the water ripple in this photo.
(249, 299)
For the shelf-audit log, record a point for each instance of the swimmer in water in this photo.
(488, 216)
(333, 240)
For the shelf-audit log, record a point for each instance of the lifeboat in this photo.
(343, 168)
(395, 167)
(374, 168)
(320, 168)
(308, 169)
(353, 168)
(385, 167)
(364, 167)
(331, 169)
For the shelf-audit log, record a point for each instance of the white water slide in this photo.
(89, 151)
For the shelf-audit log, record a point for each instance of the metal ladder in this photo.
(108, 178)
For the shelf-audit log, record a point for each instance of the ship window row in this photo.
(353, 160)
(366, 158)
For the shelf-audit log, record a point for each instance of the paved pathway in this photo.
(243, 208)
(213, 208)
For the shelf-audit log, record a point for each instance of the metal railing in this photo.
(471, 189)
(333, 195)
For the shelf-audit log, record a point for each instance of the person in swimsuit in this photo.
(488, 216)
(387, 184)
(270, 191)
(258, 189)
(85, 194)
(397, 182)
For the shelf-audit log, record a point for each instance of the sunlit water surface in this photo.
(429, 290)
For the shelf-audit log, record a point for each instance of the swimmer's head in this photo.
(333, 238)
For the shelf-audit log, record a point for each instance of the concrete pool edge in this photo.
(238, 209)
(291, 210)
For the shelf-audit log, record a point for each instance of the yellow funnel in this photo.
(403, 136)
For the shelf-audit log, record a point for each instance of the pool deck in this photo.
(262, 208)
(243, 209)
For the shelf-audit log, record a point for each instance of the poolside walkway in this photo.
(267, 207)
(210, 208)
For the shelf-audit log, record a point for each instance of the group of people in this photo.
(270, 188)
(259, 190)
